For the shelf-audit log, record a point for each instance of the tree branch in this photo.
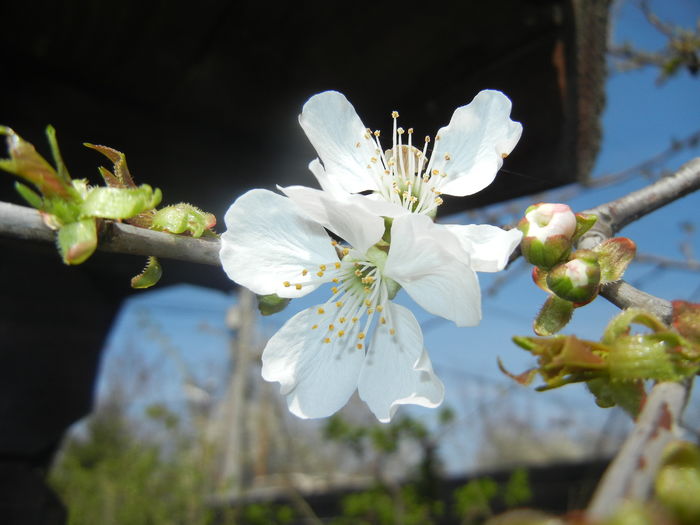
(25, 223)
(615, 215)
(632, 472)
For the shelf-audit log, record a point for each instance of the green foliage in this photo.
(475, 501)
(75, 209)
(111, 477)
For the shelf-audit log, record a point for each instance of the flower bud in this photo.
(548, 230)
(577, 280)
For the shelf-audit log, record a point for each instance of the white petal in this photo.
(341, 141)
(373, 203)
(267, 242)
(353, 223)
(397, 369)
(422, 260)
(476, 140)
(327, 183)
(318, 378)
(488, 247)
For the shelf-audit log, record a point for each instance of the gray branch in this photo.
(25, 223)
(632, 472)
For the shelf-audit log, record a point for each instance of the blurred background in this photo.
(148, 406)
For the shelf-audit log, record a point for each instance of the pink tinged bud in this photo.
(548, 230)
(577, 280)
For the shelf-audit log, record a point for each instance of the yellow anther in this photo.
(334, 289)
(447, 156)
(334, 243)
(437, 137)
(361, 335)
(297, 286)
(436, 172)
(337, 266)
(304, 272)
(410, 131)
(380, 308)
(427, 138)
(346, 251)
(321, 311)
(358, 272)
(400, 131)
(368, 303)
(314, 327)
(322, 267)
(341, 333)
(359, 346)
(367, 289)
(342, 320)
(287, 284)
(327, 340)
(357, 144)
(370, 311)
(394, 114)
(354, 319)
(335, 280)
(339, 304)
(373, 159)
(377, 133)
(331, 327)
(382, 320)
(392, 331)
(438, 200)
(320, 274)
(504, 155)
(366, 135)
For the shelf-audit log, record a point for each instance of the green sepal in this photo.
(150, 275)
(545, 254)
(539, 277)
(77, 240)
(62, 170)
(614, 256)
(554, 315)
(628, 395)
(29, 195)
(26, 163)
(272, 303)
(121, 178)
(120, 203)
(180, 218)
(584, 222)
(619, 326)
(677, 483)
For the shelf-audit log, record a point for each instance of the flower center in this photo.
(359, 294)
(405, 174)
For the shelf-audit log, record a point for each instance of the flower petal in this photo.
(397, 369)
(353, 223)
(488, 247)
(422, 260)
(341, 141)
(268, 242)
(471, 148)
(318, 378)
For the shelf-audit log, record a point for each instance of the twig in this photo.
(615, 215)
(26, 223)
(631, 474)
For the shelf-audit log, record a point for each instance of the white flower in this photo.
(466, 155)
(358, 338)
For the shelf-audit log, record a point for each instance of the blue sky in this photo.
(186, 326)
